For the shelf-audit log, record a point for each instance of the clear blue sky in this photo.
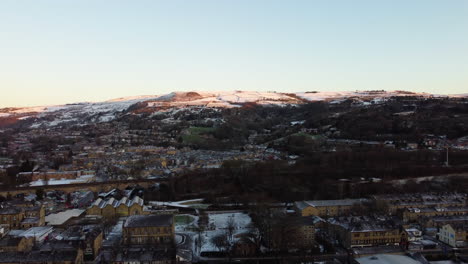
(57, 51)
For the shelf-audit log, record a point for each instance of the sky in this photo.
(56, 51)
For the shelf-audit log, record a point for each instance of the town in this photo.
(247, 131)
(119, 226)
(252, 184)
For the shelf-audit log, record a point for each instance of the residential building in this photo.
(16, 244)
(412, 234)
(11, 216)
(454, 235)
(414, 214)
(33, 216)
(22, 215)
(396, 203)
(439, 221)
(86, 237)
(326, 208)
(149, 229)
(302, 232)
(362, 231)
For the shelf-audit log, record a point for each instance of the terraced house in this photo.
(414, 214)
(400, 202)
(11, 216)
(22, 217)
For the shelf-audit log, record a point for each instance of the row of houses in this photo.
(22, 215)
(416, 204)
(402, 219)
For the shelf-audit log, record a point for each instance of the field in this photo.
(194, 134)
(183, 219)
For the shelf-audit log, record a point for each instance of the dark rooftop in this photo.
(38, 256)
(9, 241)
(144, 255)
(9, 210)
(149, 220)
(30, 220)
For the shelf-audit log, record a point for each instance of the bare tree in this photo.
(230, 228)
(221, 242)
(252, 237)
(200, 239)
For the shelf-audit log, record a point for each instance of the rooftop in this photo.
(38, 257)
(144, 255)
(149, 220)
(438, 209)
(320, 203)
(9, 241)
(387, 259)
(365, 223)
(37, 231)
(433, 199)
(101, 203)
(62, 217)
(30, 220)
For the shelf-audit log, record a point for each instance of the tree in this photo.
(252, 237)
(221, 242)
(200, 239)
(40, 194)
(230, 228)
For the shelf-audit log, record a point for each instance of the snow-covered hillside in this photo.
(83, 113)
(88, 112)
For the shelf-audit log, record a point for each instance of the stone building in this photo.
(326, 208)
(362, 231)
(111, 207)
(149, 229)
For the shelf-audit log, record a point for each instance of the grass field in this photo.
(194, 134)
(183, 219)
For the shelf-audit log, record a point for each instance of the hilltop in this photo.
(97, 112)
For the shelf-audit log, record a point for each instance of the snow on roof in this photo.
(81, 179)
(319, 203)
(37, 231)
(97, 202)
(386, 259)
(62, 217)
(101, 203)
(16, 232)
(181, 204)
